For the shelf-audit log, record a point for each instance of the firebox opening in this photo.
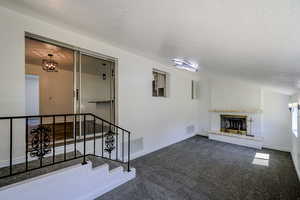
(234, 124)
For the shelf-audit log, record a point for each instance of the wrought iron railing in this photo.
(77, 135)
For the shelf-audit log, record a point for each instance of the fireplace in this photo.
(236, 124)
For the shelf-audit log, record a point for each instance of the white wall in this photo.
(276, 121)
(229, 94)
(296, 139)
(205, 102)
(272, 124)
(157, 122)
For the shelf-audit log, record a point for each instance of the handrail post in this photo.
(65, 137)
(105, 143)
(75, 134)
(53, 138)
(128, 161)
(41, 143)
(10, 146)
(26, 143)
(122, 145)
(102, 130)
(117, 143)
(94, 127)
(84, 139)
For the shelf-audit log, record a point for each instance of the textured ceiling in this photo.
(255, 40)
(36, 51)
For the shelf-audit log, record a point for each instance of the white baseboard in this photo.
(78, 182)
(202, 134)
(276, 148)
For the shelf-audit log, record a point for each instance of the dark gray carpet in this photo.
(198, 168)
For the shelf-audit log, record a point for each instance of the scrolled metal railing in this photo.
(80, 135)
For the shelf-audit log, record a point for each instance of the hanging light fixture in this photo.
(49, 65)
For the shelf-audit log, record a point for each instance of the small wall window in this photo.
(159, 83)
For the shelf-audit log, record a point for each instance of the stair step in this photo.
(76, 182)
(37, 172)
(96, 162)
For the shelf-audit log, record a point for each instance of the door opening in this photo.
(62, 80)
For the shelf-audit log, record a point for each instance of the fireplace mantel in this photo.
(236, 111)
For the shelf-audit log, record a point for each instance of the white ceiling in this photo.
(256, 40)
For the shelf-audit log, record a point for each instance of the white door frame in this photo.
(77, 60)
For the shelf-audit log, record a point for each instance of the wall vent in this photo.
(190, 129)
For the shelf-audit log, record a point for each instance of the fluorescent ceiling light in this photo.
(185, 64)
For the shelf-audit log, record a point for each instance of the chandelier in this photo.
(49, 65)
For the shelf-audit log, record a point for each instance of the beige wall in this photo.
(56, 90)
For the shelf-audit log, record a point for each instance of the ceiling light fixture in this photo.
(185, 64)
(49, 65)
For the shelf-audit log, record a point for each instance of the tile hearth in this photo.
(243, 140)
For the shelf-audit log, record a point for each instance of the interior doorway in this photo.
(97, 85)
(32, 94)
(62, 80)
